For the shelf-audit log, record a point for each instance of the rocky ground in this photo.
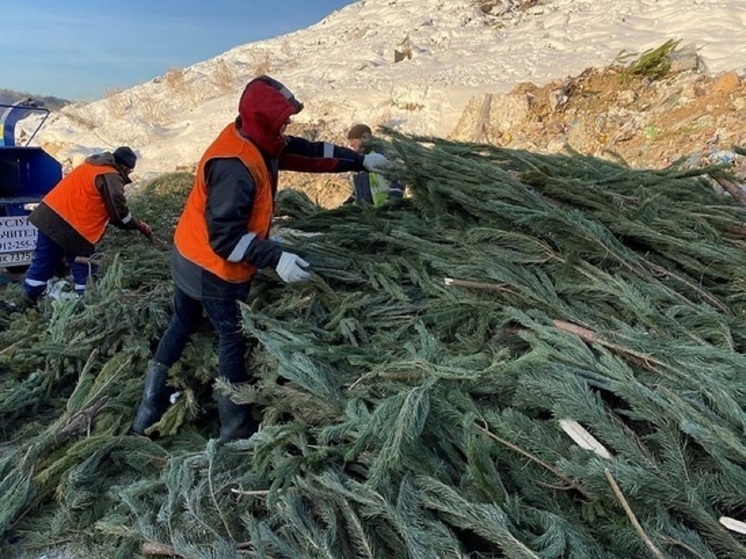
(608, 112)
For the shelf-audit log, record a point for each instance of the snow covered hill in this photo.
(345, 69)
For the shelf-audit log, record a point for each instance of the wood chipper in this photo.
(27, 173)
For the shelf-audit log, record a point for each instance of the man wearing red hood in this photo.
(222, 238)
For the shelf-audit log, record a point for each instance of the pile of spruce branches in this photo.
(532, 356)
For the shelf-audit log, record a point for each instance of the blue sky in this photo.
(80, 49)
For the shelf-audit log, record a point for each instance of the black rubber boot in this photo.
(236, 421)
(154, 397)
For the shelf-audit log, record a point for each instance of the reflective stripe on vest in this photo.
(77, 200)
(192, 238)
(379, 188)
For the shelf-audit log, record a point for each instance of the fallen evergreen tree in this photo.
(534, 356)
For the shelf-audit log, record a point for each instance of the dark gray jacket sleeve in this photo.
(231, 191)
(111, 187)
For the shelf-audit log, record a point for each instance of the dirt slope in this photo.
(649, 123)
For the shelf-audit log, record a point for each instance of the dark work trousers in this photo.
(225, 316)
(44, 264)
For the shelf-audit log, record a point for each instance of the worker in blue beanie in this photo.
(73, 217)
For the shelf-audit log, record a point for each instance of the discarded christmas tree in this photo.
(534, 356)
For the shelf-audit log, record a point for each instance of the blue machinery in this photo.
(27, 173)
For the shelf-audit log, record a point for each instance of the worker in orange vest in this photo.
(222, 238)
(73, 217)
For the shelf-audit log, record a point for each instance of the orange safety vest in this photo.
(77, 200)
(192, 238)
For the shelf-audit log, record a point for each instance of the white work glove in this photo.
(292, 268)
(375, 163)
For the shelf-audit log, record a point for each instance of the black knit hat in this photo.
(125, 157)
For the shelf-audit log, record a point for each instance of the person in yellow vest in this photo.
(73, 217)
(369, 189)
(222, 238)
